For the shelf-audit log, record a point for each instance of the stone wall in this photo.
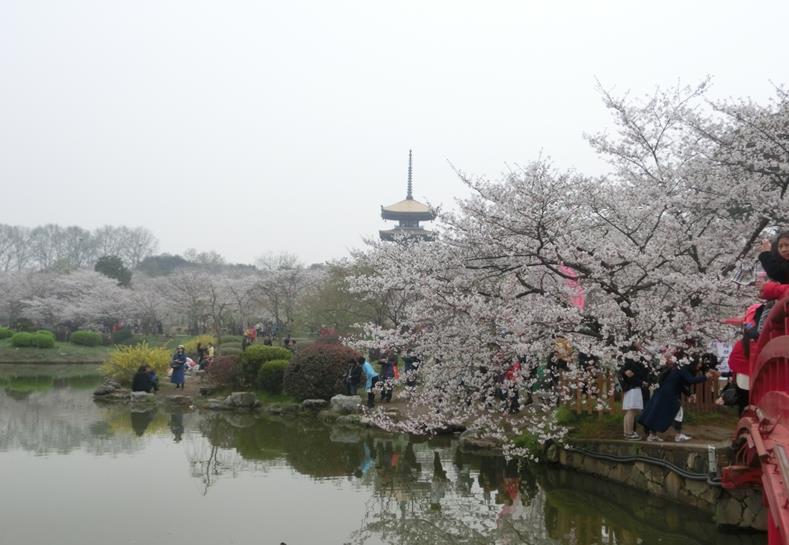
(641, 468)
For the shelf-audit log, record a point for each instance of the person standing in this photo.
(388, 375)
(372, 379)
(633, 376)
(178, 365)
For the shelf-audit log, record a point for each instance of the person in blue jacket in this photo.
(372, 379)
(666, 403)
(178, 365)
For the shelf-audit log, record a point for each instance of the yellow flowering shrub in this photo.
(124, 361)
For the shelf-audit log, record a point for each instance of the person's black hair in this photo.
(782, 234)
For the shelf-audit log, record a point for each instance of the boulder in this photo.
(181, 400)
(471, 440)
(349, 420)
(216, 405)
(314, 405)
(106, 388)
(242, 400)
(142, 398)
(345, 404)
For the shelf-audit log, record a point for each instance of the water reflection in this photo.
(370, 488)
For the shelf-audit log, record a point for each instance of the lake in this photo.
(75, 472)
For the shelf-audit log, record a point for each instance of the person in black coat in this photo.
(143, 381)
(774, 258)
(665, 405)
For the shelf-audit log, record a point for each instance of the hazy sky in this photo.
(254, 126)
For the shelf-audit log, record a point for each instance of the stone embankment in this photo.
(679, 472)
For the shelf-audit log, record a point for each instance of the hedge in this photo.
(44, 339)
(22, 339)
(6, 333)
(256, 355)
(317, 371)
(86, 338)
(272, 375)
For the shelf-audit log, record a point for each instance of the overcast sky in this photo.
(249, 127)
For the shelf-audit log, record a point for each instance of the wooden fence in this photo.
(597, 396)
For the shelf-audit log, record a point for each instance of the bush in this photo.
(317, 371)
(46, 332)
(22, 339)
(191, 345)
(43, 340)
(255, 356)
(86, 338)
(231, 339)
(271, 376)
(122, 336)
(124, 361)
(224, 371)
(226, 350)
(6, 333)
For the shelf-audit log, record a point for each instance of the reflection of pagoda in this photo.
(408, 213)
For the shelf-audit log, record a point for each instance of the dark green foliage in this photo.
(86, 338)
(255, 356)
(317, 371)
(162, 265)
(22, 339)
(43, 340)
(6, 333)
(230, 350)
(112, 266)
(224, 339)
(271, 376)
(23, 324)
(46, 332)
(122, 336)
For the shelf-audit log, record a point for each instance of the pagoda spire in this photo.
(409, 195)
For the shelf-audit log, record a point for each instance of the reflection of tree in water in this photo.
(212, 455)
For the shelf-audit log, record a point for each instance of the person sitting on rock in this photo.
(142, 380)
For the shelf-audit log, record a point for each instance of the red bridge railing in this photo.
(762, 437)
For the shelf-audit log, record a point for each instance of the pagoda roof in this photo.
(406, 232)
(409, 206)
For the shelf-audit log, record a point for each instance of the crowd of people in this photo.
(654, 399)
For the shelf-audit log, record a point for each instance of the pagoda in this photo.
(408, 213)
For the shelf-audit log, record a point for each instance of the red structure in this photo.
(762, 437)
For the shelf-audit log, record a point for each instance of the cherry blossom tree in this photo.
(691, 186)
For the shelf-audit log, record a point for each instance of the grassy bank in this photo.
(60, 353)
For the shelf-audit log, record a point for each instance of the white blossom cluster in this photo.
(648, 248)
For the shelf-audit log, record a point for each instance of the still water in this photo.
(74, 472)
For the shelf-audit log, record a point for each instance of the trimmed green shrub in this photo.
(231, 339)
(6, 333)
(317, 371)
(123, 336)
(230, 350)
(271, 376)
(22, 339)
(43, 340)
(86, 338)
(255, 356)
(46, 332)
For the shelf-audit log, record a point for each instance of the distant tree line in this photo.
(63, 249)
